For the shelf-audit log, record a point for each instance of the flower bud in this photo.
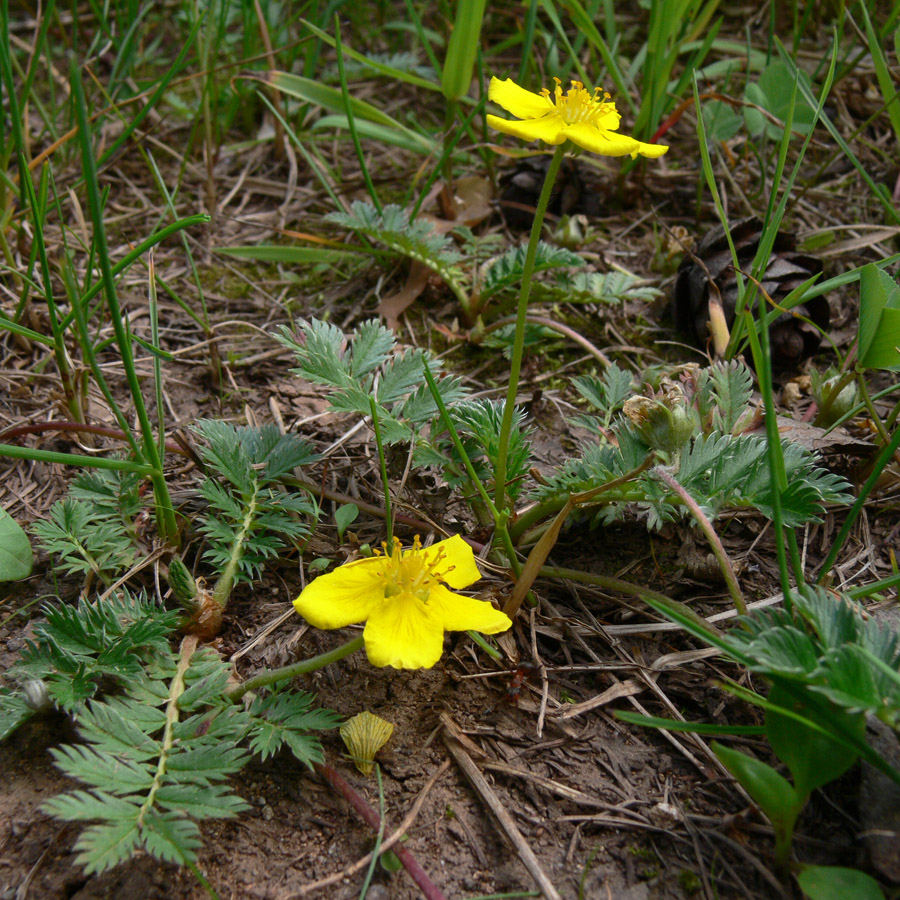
(664, 422)
(183, 585)
(36, 695)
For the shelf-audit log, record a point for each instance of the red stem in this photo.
(370, 817)
(41, 427)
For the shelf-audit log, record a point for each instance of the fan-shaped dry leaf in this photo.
(364, 735)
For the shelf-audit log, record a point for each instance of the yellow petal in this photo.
(606, 143)
(345, 596)
(549, 128)
(458, 613)
(609, 120)
(404, 634)
(457, 565)
(651, 151)
(516, 100)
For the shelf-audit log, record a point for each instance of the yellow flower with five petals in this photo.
(588, 120)
(404, 598)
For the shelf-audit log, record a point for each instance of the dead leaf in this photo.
(392, 307)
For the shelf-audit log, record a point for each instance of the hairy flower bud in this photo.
(183, 585)
(663, 422)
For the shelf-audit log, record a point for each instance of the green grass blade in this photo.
(329, 98)
(75, 459)
(168, 527)
(150, 105)
(460, 59)
(883, 73)
(287, 254)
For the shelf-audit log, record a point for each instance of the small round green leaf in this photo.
(835, 883)
(344, 516)
(15, 550)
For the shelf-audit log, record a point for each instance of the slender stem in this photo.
(869, 590)
(351, 121)
(75, 459)
(626, 587)
(284, 673)
(570, 333)
(500, 517)
(715, 542)
(63, 363)
(759, 346)
(168, 527)
(429, 890)
(388, 519)
(457, 443)
(521, 314)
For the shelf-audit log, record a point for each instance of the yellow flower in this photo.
(403, 598)
(586, 119)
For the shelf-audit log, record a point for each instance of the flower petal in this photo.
(345, 596)
(516, 100)
(597, 140)
(458, 613)
(651, 151)
(457, 565)
(550, 128)
(404, 633)
(608, 119)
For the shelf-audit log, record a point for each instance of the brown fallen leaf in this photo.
(392, 307)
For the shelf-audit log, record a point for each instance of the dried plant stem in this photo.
(570, 333)
(541, 550)
(492, 801)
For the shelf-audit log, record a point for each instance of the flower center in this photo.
(578, 105)
(413, 571)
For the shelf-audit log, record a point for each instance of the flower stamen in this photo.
(411, 571)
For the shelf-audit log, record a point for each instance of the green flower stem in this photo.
(482, 642)
(76, 459)
(762, 362)
(284, 673)
(521, 315)
(870, 406)
(715, 543)
(626, 587)
(500, 517)
(351, 121)
(63, 363)
(870, 590)
(388, 519)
